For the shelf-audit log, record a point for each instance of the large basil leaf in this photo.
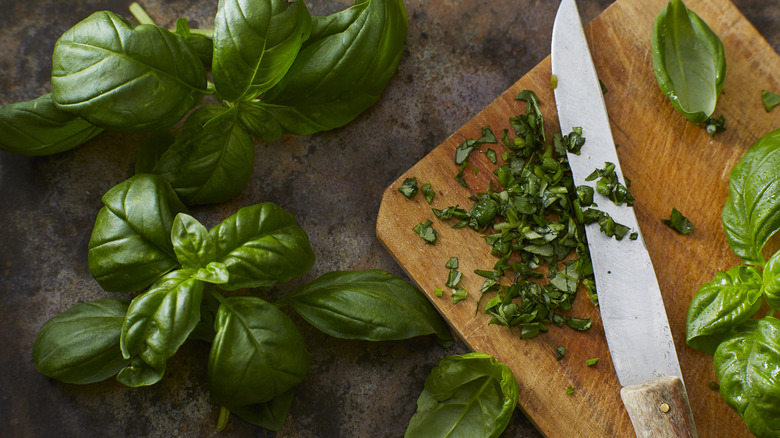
(689, 61)
(270, 415)
(211, 160)
(257, 355)
(81, 345)
(751, 214)
(342, 68)
(722, 304)
(746, 365)
(472, 395)
(125, 77)
(37, 127)
(255, 42)
(130, 247)
(369, 305)
(262, 245)
(771, 286)
(157, 323)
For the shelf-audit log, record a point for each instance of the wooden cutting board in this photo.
(671, 163)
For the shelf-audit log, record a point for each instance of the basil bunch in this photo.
(724, 316)
(276, 70)
(688, 60)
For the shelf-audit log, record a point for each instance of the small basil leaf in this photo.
(342, 68)
(722, 304)
(688, 60)
(211, 160)
(130, 247)
(258, 354)
(112, 73)
(152, 149)
(192, 243)
(771, 281)
(255, 42)
(262, 245)
(37, 127)
(157, 323)
(214, 273)
(746, 368)
(81, 345)
(370, 305)
(258, 121)
(751, 214)
(200, 44)
(269, 415)
(471, 395)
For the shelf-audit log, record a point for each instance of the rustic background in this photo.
(459, 56)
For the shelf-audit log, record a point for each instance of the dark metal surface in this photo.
(460, 55)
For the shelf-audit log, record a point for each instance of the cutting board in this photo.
(671, 163)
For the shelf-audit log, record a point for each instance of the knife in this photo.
(632, 309)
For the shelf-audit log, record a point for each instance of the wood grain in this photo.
(671, 163)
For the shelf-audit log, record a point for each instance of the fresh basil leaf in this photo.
(678, 222)
(342, 68)
(257, 355)
(255, 42)
(269, 415)
(192, 243)
(130, 247)
(37, 127)
(255, 118)
(152, 149)
(157, 323)
(81, 345)
(688, 60)
(200, 44)
(262, 245)
(370, 305)
(728, 300)
(211, 160)
(769, 99)
(214, 273)
(751, 214)
(746, 368)
(771, 281)
(472, 395)
(113, 74)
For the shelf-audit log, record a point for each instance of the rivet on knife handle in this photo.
(659, 409)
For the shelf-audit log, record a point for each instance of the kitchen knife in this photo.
(632, 309)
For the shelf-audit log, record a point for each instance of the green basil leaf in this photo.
(257, 355)
(214, 273)
(769, 99)
(115, 75)
(130, 247)
(200, 44)
(258, 121)
(722, 304)
(269, 415)
(262, 245)
(370, 305)
(688, 60)
(192, 243)
(211, 160)
(81, 345)
(751, 214)
(342, 68)
(204, 330)
(157, 323)
(37, 127)
(771, 281)
(255, 42)
(472, 395)
(746, 368)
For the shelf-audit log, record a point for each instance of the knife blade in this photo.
(632, 310)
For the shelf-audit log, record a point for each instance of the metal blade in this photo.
(632, 310)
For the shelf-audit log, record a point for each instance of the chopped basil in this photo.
(409, 187)
(714, 126)
(428, 192)
(592, 362)
(770, 99)
(609, 185)
(554, 81)
(560, 351)
(579, 324)
(453, 278)
(459, 294)
(570, 390)
(678, 222)
(603, 87)
(452, 263)
(491, 155)
(426, 232)
(439, 292)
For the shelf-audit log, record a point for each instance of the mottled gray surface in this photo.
(460, 55)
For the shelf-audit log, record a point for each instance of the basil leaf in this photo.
(157, 323)
(728, 300)
(204, 330)
(211, 160)
(752, 211)
(214, 272)
(192, 243)
(471, 395)
(200, 44)
(257, 355)
(746, 368)
(771, 281)
(688, 60)
(256, 119)
(112, 73)
(255, 42)
(130, 247)
(269, 415)
(81, 345)
(678, 222)
(370, 305)
(262, 245)
(37, 127)
(769, 99)
(342, 68)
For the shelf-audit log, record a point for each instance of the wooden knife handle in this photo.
(659, 409)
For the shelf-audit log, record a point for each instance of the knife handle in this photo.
(659, 409)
